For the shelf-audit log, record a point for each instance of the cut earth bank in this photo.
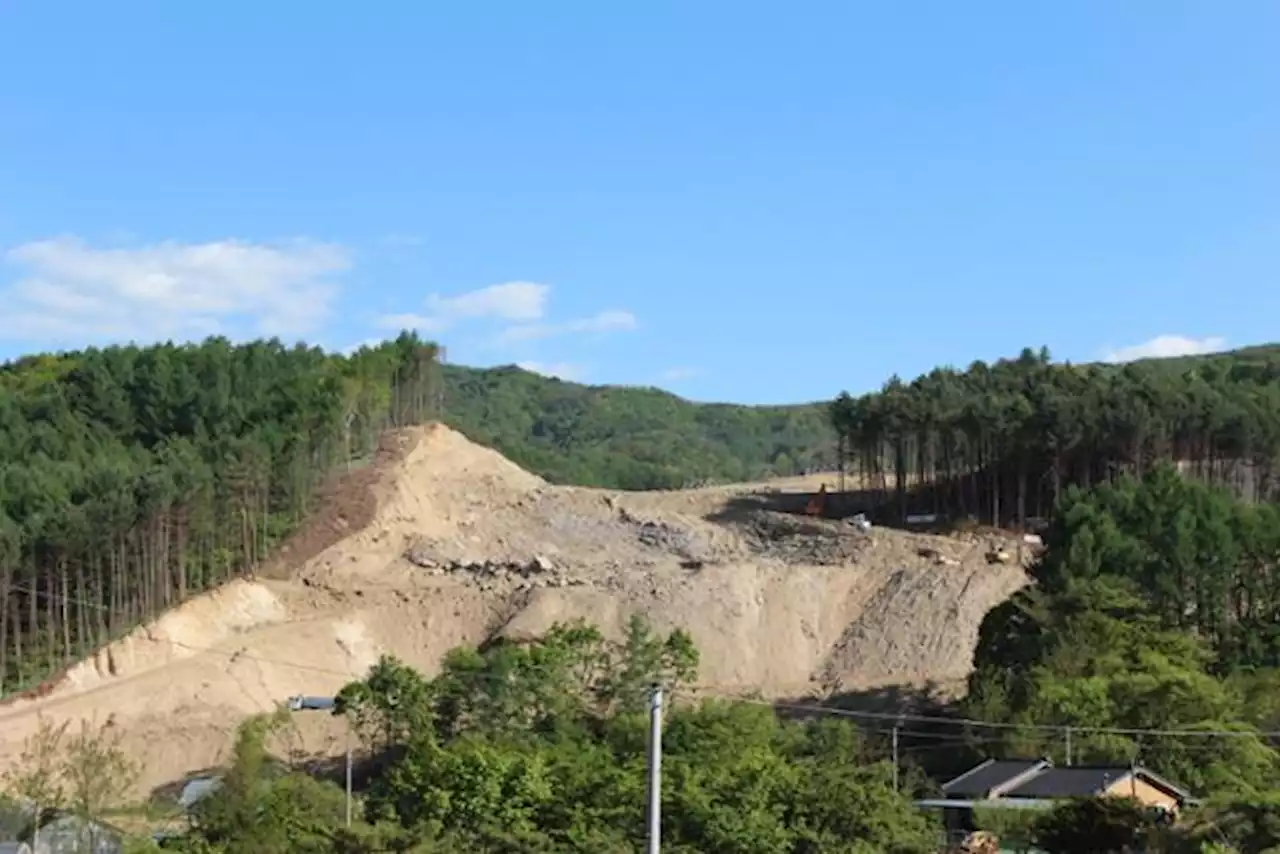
(444, 542)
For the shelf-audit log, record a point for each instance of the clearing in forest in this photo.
(448, 543)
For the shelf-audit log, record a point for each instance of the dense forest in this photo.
(132, 478)
(1156, 607)
(632, 438)
(1001, 442)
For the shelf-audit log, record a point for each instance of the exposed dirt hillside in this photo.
(447, 543)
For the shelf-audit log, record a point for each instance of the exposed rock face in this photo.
(493, 575)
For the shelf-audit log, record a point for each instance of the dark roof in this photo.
(982, 779)
(1069, 782)
(1039, 779)
(1085, 781)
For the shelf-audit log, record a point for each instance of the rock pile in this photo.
(795, 540)
(936, 557)
(667, 537)
(537, 571)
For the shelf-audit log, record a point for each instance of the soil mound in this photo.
(441, 542)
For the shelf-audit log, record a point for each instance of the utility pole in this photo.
(348, 775)
(655, 769)
(1068, 747)
(895, 757)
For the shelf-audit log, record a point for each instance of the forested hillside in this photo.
(1000, 442)
(131, 478)
(633, 438)
(1156, 608)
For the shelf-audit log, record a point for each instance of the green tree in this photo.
(1135, 624)
(37, 779)
(388, 708)
(1102, 825)
(539, 747)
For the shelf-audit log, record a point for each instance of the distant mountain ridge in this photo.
(632, 437)
(646, 438)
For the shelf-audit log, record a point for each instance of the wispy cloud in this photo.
(1167, 346)
(511, 302)
(675, 375)
(613, 320)
(420, 322)
(514, 301)
(68, 291)
(520, 308)
(560, 370)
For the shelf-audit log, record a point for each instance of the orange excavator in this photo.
(818, 503)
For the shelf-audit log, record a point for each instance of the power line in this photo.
(1008, 725)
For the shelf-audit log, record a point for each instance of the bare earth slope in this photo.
(461, 545)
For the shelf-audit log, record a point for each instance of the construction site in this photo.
(441, 542)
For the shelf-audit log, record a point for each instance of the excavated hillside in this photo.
(444, 542)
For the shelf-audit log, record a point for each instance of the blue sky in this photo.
(735, 200)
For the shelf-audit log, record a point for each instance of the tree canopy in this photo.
(628, 437)
(1000, 442)
(132, 478)
(1154, 608)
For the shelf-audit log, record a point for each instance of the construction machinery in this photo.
(818, 503)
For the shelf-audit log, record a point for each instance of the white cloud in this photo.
(613, 320)
(521, 305)
(71, 292)
(419, 322)
(673, 375)
(1167, 346)
(560, 370)
(516, 301)
(605, 321)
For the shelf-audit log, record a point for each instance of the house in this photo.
(994, 777)
(1038, 784)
